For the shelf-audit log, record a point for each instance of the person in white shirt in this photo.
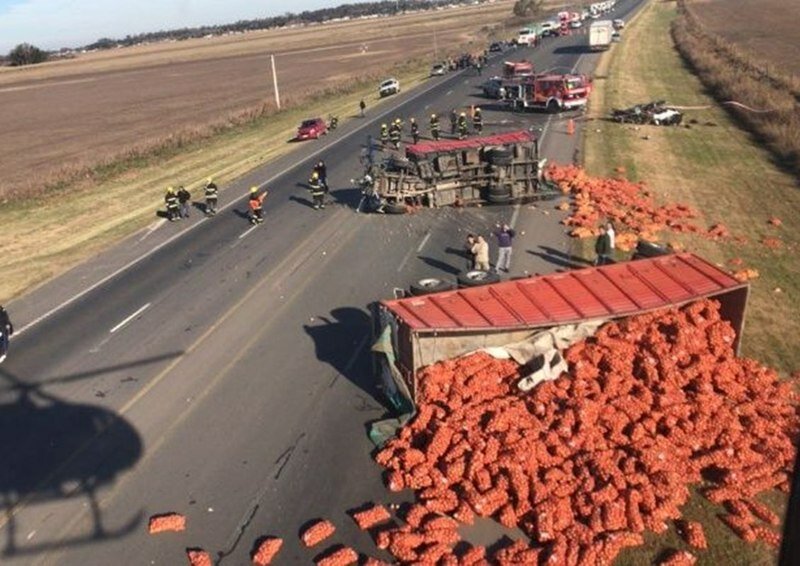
(611, 237)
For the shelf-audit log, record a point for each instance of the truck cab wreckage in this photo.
(500, 168)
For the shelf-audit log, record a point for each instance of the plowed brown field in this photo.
(66, 115)
(766, 29)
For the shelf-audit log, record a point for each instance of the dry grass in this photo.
(720, 171)
(105, 110)
(764, 31)
(731, 75)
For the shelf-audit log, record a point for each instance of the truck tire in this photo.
(553, 107)
(501, 156)
(646, 249)
(430, 285)
(476, 278)
(395, 208)
(501, 198)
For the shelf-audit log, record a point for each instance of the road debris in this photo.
(266, 551)
(198, 557)
(167, 522)
(372, 515)
(338, 556)
(317, 532)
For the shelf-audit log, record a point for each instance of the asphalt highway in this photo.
(225, 374)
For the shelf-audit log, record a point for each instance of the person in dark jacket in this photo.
(453, 121)
(184, 198)
(414, 130)
(6, 330)
(504, 235)
(434, 126)
(602, 247)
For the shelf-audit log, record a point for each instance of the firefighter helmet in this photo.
(170, 189)
(315, 175)
(433, 116)
(253, 190)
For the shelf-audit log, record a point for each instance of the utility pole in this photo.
(275, 82)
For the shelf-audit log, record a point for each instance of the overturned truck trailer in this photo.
(414, 332)
(501, 168)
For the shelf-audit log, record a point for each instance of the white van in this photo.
(526, 36)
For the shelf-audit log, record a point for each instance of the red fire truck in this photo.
(550, 92)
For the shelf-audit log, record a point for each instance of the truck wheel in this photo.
(499, 199)
(501, 156)
(476, 278)
(553, 107)
(395, 208)
(429, 285)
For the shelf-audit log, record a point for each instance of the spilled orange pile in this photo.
(629, 205)
(588, 462)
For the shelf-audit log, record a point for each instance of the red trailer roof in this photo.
(424, 148)
(609, 291)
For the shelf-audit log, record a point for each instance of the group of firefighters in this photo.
(178, 201)
(459, 126)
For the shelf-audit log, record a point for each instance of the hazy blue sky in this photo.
(51, 24)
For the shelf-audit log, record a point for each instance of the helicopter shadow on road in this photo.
(54, 449)
(342, 340)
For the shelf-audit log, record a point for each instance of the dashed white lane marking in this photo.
(449, 92)
(130, 318)
(248, 231)
(423, 242)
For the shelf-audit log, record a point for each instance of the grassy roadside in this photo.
(47, 236)
(719, 170)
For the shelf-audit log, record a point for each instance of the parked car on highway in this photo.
(575, 24)
(493, 88)
(388, 87)
(312, 129)
(616, 37)
(438, 70)
(619, 24)
(497, 47)
(548, 28)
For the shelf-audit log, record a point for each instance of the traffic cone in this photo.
(570, 127)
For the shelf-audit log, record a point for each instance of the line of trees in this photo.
(384, 7)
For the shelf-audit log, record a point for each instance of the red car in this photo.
(313, 128)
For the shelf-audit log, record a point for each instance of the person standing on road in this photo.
(256, 204)
(414, 130)
(317, 191)
(602, 247)
(184, 198)
(462, 126)
(212, 196)
(171, 201)
(480, 249)
(477, 121)
(612, 239)
(504, 235)
(453, 121)
(322, 173)
(395, 134)
(362, 106)
(6, 330)
(435, 127)
(384, 134)
(470, 254)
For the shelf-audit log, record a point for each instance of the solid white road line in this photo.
(177, 235)
(130, 318)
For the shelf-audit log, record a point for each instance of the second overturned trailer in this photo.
(500, 169)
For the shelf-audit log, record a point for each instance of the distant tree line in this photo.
(25, 54)
(384, 8)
